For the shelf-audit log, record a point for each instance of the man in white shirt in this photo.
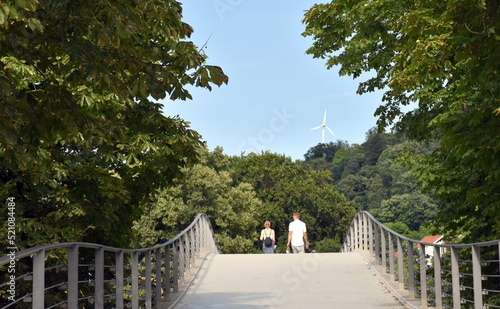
(297, 233)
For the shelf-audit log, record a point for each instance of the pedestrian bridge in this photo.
(318, 280)
(377, 268)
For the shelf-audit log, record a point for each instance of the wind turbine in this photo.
(322, 127)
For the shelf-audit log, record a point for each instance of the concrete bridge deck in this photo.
(315, 280)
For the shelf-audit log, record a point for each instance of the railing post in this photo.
(377, 244)
(197, 238)
(175, 252)
(384, 248)
(352, 238)
(119, 279)
(356, 233)
(401, 278)
(411, 270)
(423, 277)
(158, 277)
(135, 280)
(365, 232)
(182, 258)
(39, 280)
(187, 257)
(205, 243)
(370, 235)
(193, 247)
(391, 257)
(73, 276)
(476, 275)
(362, 231)
(189, 251)
(455, 277)
(147, 280)
(168, 284)
(438, 291)
(99, 278)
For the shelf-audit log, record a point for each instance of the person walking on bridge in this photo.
(297, 233)
(268, 238)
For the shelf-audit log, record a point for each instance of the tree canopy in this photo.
(440, 57)
(240, 193)
(83, 143)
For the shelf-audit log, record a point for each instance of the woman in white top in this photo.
(267, 246)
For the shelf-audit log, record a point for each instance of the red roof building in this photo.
(436, 239)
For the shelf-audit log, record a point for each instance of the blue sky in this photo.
(276, 93)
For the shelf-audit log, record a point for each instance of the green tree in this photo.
(394, 169)
(441, 57)
(232, 208)
(285, 187)
(375, 144)
(398, 227)
(347, 161)
(413, 210)
(82, 142)
(323, 150)
(354, 188)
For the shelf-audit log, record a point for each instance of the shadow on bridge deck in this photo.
(316, 280)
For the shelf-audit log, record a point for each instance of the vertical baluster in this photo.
(411, 270)
(193, 247)
(455, 277)
(423, 277)
(438, 291)
(204, 237)
(356, 233)
(39, 280)
(366, 236)
(476, 275)
(168, 284)
(73, 276)
(384, 248)
(119, 279)
(187, 258)
(175, 252)
(377, 243)
(182, 258)
(147, 279)
(391, 256)
(400, 252)
(135, 280)
(370, 235)
(158, 286)
(350, 238)
(197, 238)
(99, 278)
(362, 230)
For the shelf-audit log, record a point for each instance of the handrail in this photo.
(103, 276)
(439, 275)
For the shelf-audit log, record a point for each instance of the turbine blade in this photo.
(318, 127)
(330, 130)
(324, 118)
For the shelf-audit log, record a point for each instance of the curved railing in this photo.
(87, 275)
(450, 276)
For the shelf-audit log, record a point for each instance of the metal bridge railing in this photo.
(456, 276)
(87, 275)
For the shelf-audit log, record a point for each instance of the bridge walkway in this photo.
(314, 280)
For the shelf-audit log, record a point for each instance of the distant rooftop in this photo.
(432, 239)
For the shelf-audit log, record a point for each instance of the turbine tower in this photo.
(322, 127)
